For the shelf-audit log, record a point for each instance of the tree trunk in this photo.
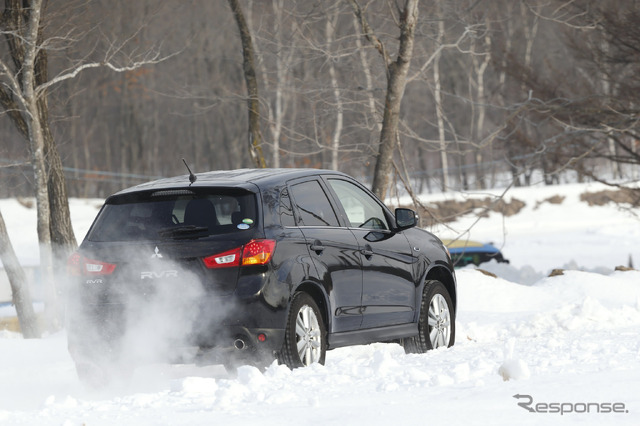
(19, 286)
(337, 131)
(396, 83)
(371, 102)
(437, 93)
(253, 101)
(37, 148)
(277, 111)
(478, 129)
(62, 235)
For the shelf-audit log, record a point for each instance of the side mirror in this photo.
(406, 218)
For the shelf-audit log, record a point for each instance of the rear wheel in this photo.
(305, 340)
(436, 325)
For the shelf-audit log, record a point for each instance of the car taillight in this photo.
(258, 252)
(255, 252)
(78, 265)
(224, 260)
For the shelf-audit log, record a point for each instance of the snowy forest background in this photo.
(499, 93)
(497, 90)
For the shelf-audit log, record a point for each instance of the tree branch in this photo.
(12, 84)
(440, 48)
(367, 31)
(150, 60)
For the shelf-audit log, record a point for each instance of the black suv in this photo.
(251, 266)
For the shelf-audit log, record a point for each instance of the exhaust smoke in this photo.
(159, 314)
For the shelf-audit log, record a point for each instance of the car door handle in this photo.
(317, 247)
(367, 251)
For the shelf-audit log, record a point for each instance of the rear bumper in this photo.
(243, 344)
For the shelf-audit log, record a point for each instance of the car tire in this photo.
(436, 325)
(305, 340)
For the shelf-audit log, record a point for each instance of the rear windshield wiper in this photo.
(186, 231)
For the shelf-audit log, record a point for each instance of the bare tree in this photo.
(370, 102)
(437, 94)
(396, 82)
(337, 132)
(504, 67)
(253, 100)
(280, 86)
(589, 111)
(480, 62)
(19, 286)
(23, 95)
(27, 108)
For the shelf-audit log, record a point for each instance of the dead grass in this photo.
(556, 199)
(450, 210)
(619, 196)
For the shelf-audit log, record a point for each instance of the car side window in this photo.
(362, 210)
(286, 211)
(312, 205)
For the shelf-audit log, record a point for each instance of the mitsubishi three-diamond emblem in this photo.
(157, 254)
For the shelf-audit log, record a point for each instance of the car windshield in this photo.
(174, 215)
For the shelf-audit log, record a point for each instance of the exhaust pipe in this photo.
(239, 344)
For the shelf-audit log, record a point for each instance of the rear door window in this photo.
(312, 205)
(174, 215)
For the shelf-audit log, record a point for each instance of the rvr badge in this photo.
(171, 273)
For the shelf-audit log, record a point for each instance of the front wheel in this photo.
(436, 325)
(305, 340)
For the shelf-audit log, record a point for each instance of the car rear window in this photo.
(181, 214)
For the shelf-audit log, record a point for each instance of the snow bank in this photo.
(579, 332)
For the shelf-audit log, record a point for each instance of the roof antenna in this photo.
(192, 177)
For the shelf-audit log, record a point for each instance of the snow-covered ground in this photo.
(567, 347)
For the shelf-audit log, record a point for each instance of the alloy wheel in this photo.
(439, 320)
(308, 336)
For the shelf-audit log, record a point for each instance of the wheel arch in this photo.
(446, 277)
(319, 296)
